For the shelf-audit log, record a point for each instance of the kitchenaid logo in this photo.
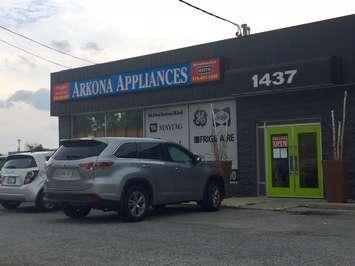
(214, 138)
(155, 127)
(222, 117)
(200, 118)
(163, 113)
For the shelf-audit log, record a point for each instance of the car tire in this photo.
(42, 205)
(212, 197)
(10, 205)
(76, 212)
(135, 204)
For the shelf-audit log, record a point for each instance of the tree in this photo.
(34, 147)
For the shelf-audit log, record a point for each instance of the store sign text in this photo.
(162, 77)
(277, 78)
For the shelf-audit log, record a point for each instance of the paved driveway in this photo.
(179, 236)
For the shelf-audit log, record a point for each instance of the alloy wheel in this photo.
(137, 203)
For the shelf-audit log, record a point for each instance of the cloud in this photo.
(63, 45)
(18, 13)
(26, 61)
(91, 46)
(29, 124)
(39, 99)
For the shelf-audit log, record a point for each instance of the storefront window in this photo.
(125, 124)
(92, 125)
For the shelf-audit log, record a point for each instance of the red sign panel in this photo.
(61, 92)
(279, 141)
(207, 70)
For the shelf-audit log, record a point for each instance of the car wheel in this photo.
(10, 205)
(76, 212)
(135, 204)
(212, 198)
(43, 205)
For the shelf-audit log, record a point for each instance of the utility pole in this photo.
(19, 145)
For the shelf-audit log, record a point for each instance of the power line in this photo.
(45, 45)
(35, 55)
(211, 14)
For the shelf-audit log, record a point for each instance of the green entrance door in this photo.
(294, 161)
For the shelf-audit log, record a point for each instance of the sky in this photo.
(109, 30)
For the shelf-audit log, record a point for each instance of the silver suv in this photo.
(128, 175)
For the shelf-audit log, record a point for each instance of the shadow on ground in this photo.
(100, 217)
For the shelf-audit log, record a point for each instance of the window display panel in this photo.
(213, 130)
(170, 123)
(92, 125)
(125, 124)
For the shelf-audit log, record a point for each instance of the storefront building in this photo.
(266, 97)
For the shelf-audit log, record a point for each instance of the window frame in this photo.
(163, 150)
(179, 147)
(137, 151)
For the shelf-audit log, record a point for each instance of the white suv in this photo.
(22, 180)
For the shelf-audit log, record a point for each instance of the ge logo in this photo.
(200, 118)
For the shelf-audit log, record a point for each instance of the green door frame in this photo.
(293, 188)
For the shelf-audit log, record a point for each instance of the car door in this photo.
(154, 168)
(188, 176)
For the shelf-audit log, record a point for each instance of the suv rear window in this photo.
(20, 162)
(79, 149)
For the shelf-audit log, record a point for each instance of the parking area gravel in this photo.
(178, 235)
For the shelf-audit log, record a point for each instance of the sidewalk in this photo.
(283, 204)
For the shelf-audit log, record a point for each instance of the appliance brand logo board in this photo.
(222, 117)
(61, 92)
(161, 77)
(210, 123)
(200, 118)
(170, 123)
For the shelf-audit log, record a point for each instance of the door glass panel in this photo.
(279, 160)
(308, 170)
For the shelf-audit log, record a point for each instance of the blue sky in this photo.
(109, 30)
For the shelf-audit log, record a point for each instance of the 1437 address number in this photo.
(277, 78)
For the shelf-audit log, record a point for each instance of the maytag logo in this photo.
(222, 117)
(153, 127)
(170, 127)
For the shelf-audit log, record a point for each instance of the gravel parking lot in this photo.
(178, 236)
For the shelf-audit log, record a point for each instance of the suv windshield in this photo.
(19, 162)
(79, 149)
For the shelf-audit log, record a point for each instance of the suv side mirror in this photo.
(197, 159)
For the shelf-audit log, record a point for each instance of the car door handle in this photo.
(177, 169)
(146, 166)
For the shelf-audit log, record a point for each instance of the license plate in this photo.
(11, 180)
(66, 174)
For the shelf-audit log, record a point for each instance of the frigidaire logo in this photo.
(222, 117)
(200, 118)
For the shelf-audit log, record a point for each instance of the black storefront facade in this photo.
(269, 95)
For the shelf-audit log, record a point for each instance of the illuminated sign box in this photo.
(149, 79)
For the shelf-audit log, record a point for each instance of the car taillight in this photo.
(30, 176)
(98, 165)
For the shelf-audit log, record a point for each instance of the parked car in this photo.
(129, 175)
(22, 180)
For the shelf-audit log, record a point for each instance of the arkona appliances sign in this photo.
(162, 77)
